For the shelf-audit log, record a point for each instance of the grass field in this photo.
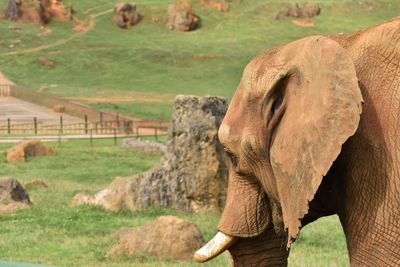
(139, 72)
(52, 232)
(148, 65)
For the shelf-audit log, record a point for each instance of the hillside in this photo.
(139, 71)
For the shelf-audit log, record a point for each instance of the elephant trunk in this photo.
(267, 249)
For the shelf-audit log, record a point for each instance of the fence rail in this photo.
(100, 127)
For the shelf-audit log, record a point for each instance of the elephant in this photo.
(314, 130)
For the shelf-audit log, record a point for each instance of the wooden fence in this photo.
(101, 127)
(5, 90)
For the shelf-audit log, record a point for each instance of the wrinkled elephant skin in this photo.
(313, 130)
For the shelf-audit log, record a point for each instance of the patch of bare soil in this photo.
(204, 57)
(303, 22)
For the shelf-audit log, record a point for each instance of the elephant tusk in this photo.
(214, 247)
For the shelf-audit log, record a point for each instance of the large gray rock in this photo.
(192, 176)
(12, 195)
(166, 237)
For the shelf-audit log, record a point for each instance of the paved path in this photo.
(20, 111)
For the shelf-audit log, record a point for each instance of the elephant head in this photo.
(294, 108)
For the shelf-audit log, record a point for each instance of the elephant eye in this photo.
(232, 158)
(275, 106)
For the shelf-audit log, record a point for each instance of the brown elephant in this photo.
(313, 130)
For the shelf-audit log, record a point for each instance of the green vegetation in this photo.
(52, 232)
(105, 61)
(147, 65)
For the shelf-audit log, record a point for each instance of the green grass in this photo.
(144, 110)
(148, 58)
(55, 233)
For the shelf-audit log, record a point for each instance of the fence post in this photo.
(61, 124)
(9, 125)
(117, 119)
(59, 138)
(155, 132)
(86, 124)
(35, 124)
(101, 122)
(137, 131)
(91, 137)
(115, 136)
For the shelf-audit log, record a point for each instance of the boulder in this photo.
(12, 195)
(221, 6)
(307, 10)
(147, 146)
(192, 175)
(28, 148)
(36, 11)
(45, 62)
(166, 237)
(181, 16)
(125, 15)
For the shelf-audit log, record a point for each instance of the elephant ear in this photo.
(322, 102)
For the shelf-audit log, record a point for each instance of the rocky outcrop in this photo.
(147, 146)
(125, 15)
(181, 16)
(307, 10)
(192, 175)
(12, 195)
(28, 148)
(166, 237)
(40, 11)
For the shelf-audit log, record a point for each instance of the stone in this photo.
(307, 10)
(168, 237)
(181, 16)
(35, 183)
(12, 195)
(28, 148)
(59, 108)
(36, 11)
(45, 62)
(81, 199)
(147, 146)
(221, 6)
(125, 15)
(192, 175)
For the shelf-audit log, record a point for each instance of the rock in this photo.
(28, 148)
(45, 62)
(181, 16)
(166, 237)
(12, 195)
(59, 108)
(307, 10)
(35, 183)
(36, 11)
(145, 145)
(221, 6)
(81, 199)
(125, 15)
(192, 175)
